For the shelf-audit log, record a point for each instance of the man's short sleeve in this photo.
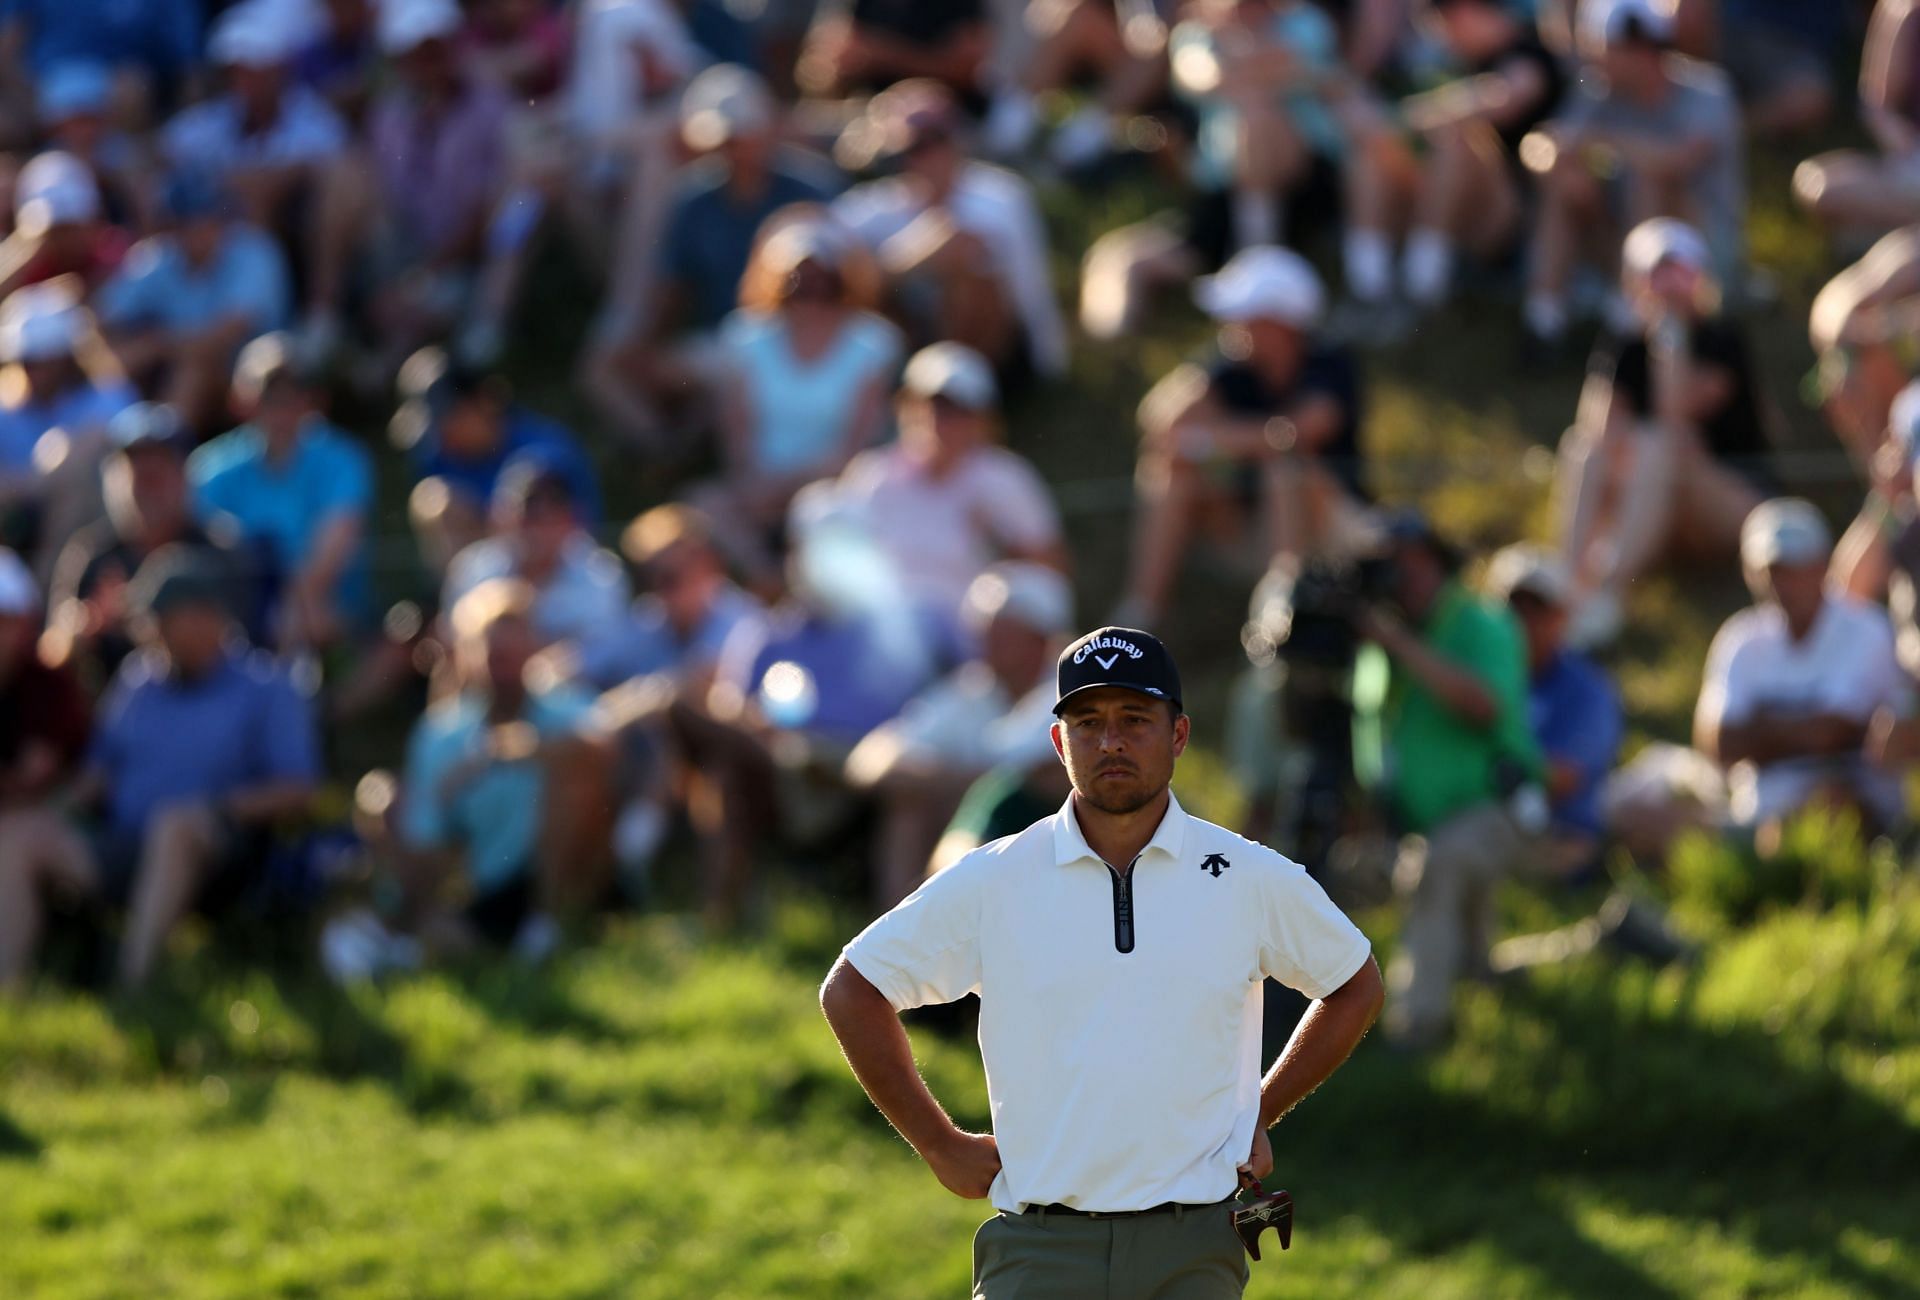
(292, 749)
(423, 813)
(927, 949)
(1306, 942)
(348, 485)
(1727, 686)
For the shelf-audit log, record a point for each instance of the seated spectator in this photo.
(1853, 190)
(982, 715)
(148, 506)
(461, 427)
(297, 492)
(519, 45)
(793, 693)
(76, 109)
(499, 830)
(1879, 559)
(1442, 737)
(1121, 47)
(1792, 684)
(185, 301)
(1650, 134)
(1864, 326)
(960, 241)
(201, 751)
(150, 48)
(1268, 429)
(652, 356)
(266, 138)
(540, 539)
(410, 215)
(944, 501)
(43, 711)
(58, 227)
(804, 372)
(865, 46)
(1669, 450)
(1465, 190)
(341, 60)
(1572, 707)
(60, 389)
(1780, 54)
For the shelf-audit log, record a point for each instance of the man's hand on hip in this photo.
(1259, 1161)
(966, 1164)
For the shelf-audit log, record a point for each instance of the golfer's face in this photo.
(1119, 746)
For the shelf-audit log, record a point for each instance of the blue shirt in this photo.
(163, 35)
(496, 816)
(157, 287)
(1575, 715)
(854, 673)
(799, 411)
(709, 238)
(160, 741)
(284, 507)
(526, 431)
(80, 408)
(645, 642)
(211, 135)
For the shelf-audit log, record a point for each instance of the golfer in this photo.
(1118, 949)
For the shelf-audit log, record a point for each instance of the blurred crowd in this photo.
(237, 236)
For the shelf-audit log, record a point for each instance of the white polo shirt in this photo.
(1119, 1016)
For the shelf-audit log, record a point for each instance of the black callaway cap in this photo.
(1118, 656)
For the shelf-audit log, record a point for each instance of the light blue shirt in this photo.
(284, 507)
(211, 136)
(158, 287)
(800, 410)
(644, 642)
(1305, 32)
(586, 594)
(496, 816)
(79, 409)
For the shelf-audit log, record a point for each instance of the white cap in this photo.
(41, 322)
(953, 371)
(1786, 530)
(723, 102)
(1532, 569)
(1664, 239)
(1031, 593)
(407, 24)
(19, 594)
(1604, 22)
(254, 34)
(1263, 283)
(1903, 419)
(55, 189)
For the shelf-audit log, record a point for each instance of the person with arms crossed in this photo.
(1119, 1008)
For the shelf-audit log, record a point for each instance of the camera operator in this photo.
(1442, 739)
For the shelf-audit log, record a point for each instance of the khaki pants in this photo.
(1190, 1253)
(1447, 879)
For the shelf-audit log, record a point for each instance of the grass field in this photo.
(658, 1115)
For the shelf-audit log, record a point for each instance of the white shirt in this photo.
(996, 207)
(612, 37)
(585, 595)
(1845, 666)
(968, 720)
(939, 533)
(1118, 1080)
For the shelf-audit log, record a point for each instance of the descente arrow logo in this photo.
(1215, 863)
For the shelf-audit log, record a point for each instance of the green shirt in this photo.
(1429, 762)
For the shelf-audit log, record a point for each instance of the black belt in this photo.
(1165, 1207)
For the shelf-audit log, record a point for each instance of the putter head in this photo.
(1263, 1210)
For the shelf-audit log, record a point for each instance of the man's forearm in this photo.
(1323, 1039)
(876, 1046)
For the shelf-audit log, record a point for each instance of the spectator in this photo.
(266, 138)
(983, 715)
(1651, 134)
(60, 391)
(149, 507)
(652, 354)
(201, 751)
(519, 45)
(1442, 737)
(805, 369)
(539, 539)
(1864, 325)
(75, 107)
(500, 803)
(340, 61)
(1792, 684)
(1121, 46)
(185, 301)
(461, 427)
(57, 227)
(150, 47)
(1879, 558)
(297, 491)
(1466, 190)
(960, 240)
(1852, 190)
(1268, 427)
(43, 712)
(1669, 450)
(1780, 54)
(944, 502)
(793, 693)
(868, 45)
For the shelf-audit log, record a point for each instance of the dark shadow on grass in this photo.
(15, 1142)
(534, 1002)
